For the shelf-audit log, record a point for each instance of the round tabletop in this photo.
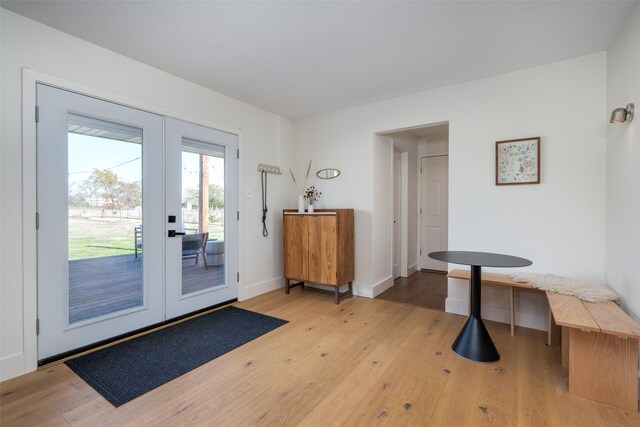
(483, 259)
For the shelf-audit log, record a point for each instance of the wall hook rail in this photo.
(262, 167)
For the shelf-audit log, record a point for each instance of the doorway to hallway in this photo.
(423, 288)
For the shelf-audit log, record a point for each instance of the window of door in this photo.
(104, 162)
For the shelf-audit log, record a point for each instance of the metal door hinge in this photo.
(238, 215)
(420, 211)
(37, 221)
(37, 326)
(238, 153)
(37, 114)
(238, 277)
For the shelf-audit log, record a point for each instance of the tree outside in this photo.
(103, 212)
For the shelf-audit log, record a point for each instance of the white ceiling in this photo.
(307, 57)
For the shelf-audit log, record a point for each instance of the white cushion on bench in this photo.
(587, 291)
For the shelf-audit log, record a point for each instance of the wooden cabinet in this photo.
(318, 248)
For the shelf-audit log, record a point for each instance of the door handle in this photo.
(174, 233)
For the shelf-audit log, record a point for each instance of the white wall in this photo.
(381, 188)
(558, 224)
(622, 253)
(265, 138)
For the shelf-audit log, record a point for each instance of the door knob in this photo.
(174, 233)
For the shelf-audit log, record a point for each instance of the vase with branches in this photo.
(299, 189)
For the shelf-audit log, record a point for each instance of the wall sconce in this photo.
(621, 115)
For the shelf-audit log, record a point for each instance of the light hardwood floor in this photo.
(361, 363)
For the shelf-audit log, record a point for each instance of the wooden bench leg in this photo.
(604, 368)
(554, 332)
(512, 310)
(565, 347)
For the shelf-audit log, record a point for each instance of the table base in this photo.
(475, 343)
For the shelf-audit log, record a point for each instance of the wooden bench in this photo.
(553, 335)
(600, 347)
(599, 342)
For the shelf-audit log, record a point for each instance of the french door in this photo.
(109, 182)
(201, 197)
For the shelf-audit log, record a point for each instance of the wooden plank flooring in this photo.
(364, 362)
(103, 285)
(423, 288)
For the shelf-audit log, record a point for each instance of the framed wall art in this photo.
(518, 161)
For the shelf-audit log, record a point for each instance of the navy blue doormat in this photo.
(127, 370)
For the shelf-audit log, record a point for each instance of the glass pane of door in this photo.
(104, 217)
(203, 245)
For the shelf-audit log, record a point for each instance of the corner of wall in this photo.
(11, 366)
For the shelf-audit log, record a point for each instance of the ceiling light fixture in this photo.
(621, 115)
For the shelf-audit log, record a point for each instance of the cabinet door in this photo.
(323, 249)
(296, 244)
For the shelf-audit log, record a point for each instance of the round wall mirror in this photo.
(329, 173)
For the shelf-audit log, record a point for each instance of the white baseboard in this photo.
(11, 366)
(363, 291)
(499, 314)
(256, 289)
(412, 269)
(381, 286)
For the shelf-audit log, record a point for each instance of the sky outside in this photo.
(124, 158)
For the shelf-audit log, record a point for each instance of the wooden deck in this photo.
(98, 286)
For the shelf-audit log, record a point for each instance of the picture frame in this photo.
(518, 161)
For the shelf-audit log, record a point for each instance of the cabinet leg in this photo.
(286, 287)
(301, 285)
(351, 289)
(337, 288)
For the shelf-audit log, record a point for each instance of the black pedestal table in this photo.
(474, 341)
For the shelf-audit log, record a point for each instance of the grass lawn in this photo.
(92, 237)
(97, 237)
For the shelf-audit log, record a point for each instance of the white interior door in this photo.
(434, 218)
(201, 186)
(100, 229)
(397, 212)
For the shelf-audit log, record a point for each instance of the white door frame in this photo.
(398, 220)
(404, 215)
(29, 191)
(404, 210)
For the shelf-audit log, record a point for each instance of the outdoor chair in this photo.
(137, 239)
(193, 245)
